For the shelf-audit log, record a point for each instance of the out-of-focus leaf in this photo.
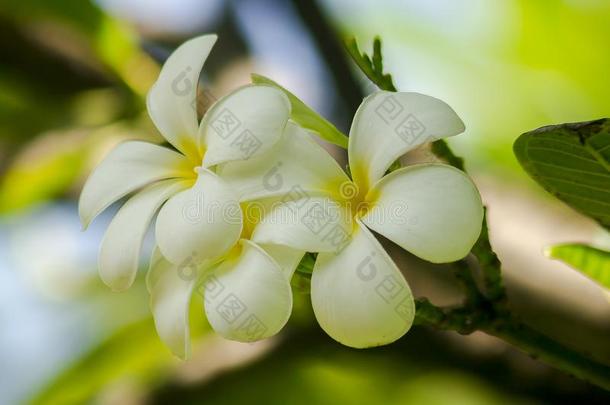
(49, 166)
(57, 51)
(83, 22)
(135, 353)
(134, 357)
(57, 161)
(314, 373)
(572, 162)
(590, 261)
(306, 117)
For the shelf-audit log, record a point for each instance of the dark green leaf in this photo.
(572, 162)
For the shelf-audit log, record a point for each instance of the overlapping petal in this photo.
(312, 224)
(297, 165)
(128, 167)
(172, 101)
(247, 297)
(359, 296)
(201, 223)
(387, 125)
(171, 288)
(244, 124)
(432, 210)
(120, 249)
(286, 257)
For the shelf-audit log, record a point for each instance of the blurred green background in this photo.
(73, 76)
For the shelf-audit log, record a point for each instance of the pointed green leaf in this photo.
(306, 117)
(372, 67)
(592, 262)
(572, 162)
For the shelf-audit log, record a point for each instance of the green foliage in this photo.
(372, 67)
(320, 372)
(29, 182)
(78, 21)
(135, 353)
(306, 117)
(590, 261)
(572, 162)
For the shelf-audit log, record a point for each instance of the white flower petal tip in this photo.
(388, 124)
(120, 249)
(359, 296)
(201, 223)
(247, 298)
(128, 167)
(172, 100)
(431, 210)
(244, 124)
(171, 289)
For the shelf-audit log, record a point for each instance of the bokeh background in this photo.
(73, 76)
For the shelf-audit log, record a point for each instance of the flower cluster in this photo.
(242, 194)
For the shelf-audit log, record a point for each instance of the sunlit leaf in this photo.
(592, 262)
(572, 162)
(53, 164)
(48, 167)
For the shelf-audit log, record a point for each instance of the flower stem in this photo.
(502, 324)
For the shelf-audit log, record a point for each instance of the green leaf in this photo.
(592, 262)
(135, 353)
(306, 117)
(48, 167)
(80, 23)
(572, 162)
(371, 67)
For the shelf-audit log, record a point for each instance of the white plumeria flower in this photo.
(247, 291)
(434, 211)
(200, 230)
(198, 212)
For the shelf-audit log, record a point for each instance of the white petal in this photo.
(247, 298)
(359, 296)
(171, 288)
(296, 165)
(432, 210)
(387, 125)
(312, 224)
(244, 124)
(203, 222)
(120, 249)
(128, 167)
(172, 100)
(286, 257)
